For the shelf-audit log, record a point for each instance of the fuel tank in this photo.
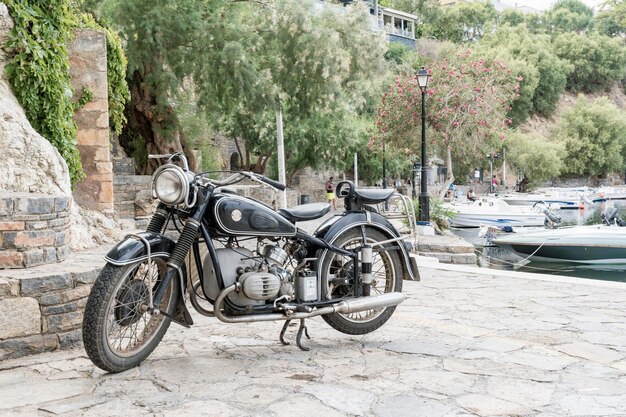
(235, 215)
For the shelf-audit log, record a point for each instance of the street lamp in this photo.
(422, 80)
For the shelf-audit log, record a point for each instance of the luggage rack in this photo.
(400, 207)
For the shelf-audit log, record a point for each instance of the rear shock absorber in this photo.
(366, 269)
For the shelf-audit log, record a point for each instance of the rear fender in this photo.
(329, 232)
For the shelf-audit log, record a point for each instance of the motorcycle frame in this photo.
(198, 222)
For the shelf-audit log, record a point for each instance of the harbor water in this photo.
(499, 258)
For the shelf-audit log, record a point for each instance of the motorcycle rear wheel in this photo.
(386, 273)
(118, 334)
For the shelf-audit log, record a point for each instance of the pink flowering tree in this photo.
(467, 104)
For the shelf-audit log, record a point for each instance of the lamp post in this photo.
(422, 80)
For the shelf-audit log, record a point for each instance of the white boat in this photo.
(563, 198)
(492, 212)
(609, 193)
(596, 244)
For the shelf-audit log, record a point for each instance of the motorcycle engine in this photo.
(260, 281)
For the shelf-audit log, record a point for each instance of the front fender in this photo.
(132, 250)
(331, 230)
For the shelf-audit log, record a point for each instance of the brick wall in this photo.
(33, 229)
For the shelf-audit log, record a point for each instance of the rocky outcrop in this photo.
(29, 162)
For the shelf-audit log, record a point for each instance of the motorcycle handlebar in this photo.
(238, 176)
(270, 182)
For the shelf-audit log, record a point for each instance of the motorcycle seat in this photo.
(305, 212)
(373, 196)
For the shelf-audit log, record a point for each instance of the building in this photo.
(399, 25)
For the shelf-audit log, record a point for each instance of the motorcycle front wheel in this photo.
(338, 269)
(118, 332)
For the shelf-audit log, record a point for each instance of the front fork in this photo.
(183, 245)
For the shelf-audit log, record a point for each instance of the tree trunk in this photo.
(158, 127)
(449, 175)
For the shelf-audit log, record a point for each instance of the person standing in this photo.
(330, 192)
(494, 184)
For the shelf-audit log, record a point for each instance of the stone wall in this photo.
(42, 310)
(88, 68)
(33, 229)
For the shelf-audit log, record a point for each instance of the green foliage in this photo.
(594, 136)
(547, 72)
(512, 17)
(597, 59)
(323, 74)
(85, 97)
(537, 158)
(570, 16)
(397, 53)
(611, 20)
(39, 72)
(437, 212)
(464, 22)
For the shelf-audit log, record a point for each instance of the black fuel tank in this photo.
(236, 215)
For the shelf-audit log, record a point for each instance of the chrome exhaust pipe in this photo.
(369, 303)
(345, 307)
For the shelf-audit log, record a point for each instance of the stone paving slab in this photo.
(466, 342)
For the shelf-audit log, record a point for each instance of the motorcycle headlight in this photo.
(170, 184)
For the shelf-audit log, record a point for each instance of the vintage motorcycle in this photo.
(239, 260)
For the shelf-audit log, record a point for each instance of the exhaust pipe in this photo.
(345, 307)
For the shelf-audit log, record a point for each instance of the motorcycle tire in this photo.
(118, 334)
(387, 277)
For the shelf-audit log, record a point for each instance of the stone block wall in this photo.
(88, 68)
(42, 310)
(33, 229)
(126, 188)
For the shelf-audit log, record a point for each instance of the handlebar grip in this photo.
(152, 156)
(272, 183)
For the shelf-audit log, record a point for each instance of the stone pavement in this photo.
(466, 342)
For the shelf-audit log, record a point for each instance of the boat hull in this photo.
(580, 244)
(498, 220)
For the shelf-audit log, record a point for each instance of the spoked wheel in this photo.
(118, 332)
(338, 280)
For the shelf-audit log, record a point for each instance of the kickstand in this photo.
(301, 330)
(282, 333)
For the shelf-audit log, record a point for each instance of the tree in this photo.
(537, 158)
(611, 20)
(597, 60)
(550, 73)
(322, 67)
(511, 17)
(594, 136)
(464, 22)
(468, 99)
(570, 16)
(239, 60)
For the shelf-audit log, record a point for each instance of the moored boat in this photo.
(596, 244)
(493, 212)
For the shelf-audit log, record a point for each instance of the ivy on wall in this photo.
(39, 72)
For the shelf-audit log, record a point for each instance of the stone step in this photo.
(444, 244)
(41, 308)
(452, 258)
